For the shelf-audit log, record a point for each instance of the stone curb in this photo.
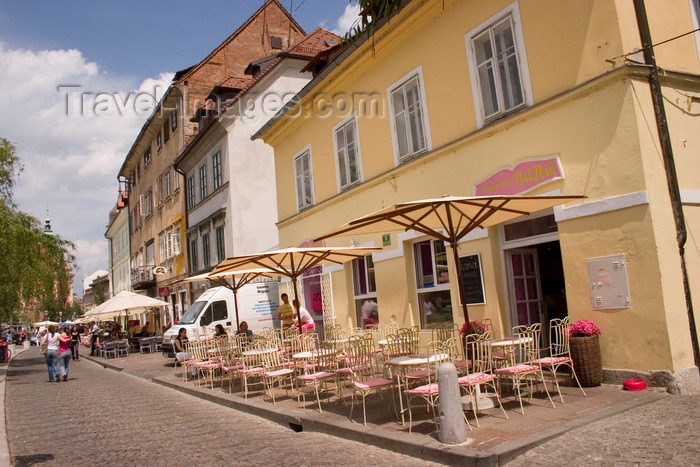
(429, 450)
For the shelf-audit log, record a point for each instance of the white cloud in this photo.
(72, 125)
(348, 19)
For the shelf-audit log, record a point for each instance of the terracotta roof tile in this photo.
(235, 82)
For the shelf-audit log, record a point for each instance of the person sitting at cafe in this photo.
(307, 321)
(219, 331)
(145, 330)
(243, 330)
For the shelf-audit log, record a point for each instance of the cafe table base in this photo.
(483, 402)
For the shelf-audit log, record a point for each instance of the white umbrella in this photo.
(46, 323)
(124, 301)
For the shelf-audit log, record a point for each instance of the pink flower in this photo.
(583, 328)
(477, 328)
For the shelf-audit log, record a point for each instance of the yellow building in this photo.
(507, 97)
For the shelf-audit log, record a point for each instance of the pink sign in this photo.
(524, 177)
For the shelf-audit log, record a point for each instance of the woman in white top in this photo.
(51, 340)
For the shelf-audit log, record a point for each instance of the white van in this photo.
(257, 305)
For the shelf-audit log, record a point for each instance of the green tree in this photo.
(33, 266)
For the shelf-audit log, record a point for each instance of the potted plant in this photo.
(584, 346)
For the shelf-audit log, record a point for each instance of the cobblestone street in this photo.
(663, 432)
(103, 417)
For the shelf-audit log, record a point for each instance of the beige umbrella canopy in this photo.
(46, 323)
(450, 219)
(232, 280)
(123, 301)
(291, 262)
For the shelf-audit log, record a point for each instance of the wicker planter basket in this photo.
(585, 352)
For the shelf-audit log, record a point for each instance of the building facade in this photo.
(156, 199)
(508, 97)
(119, 248)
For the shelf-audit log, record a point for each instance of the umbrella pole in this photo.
(460, 283)
(298, 305)
(235, 303)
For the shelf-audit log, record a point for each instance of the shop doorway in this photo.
(537, 287)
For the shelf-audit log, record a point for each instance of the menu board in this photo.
(472, 280)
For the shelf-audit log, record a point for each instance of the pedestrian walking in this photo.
(75, 343)
(95, 331)
(64, 353)
(51, 340)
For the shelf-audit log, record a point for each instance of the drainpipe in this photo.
(669, 163)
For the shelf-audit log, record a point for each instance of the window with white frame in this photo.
(206, 260)
(166, 183)
(347, 152)
(498, 66)
(190, 192)
(216, 170)
(150, 255)
(176, 242)
(220, 245)
(304, 180)
(365, 288)
(203, 182)
(432, 282)
(409, 117)
(147, 203)
(159, 191)
(176, 181)
(163, 247)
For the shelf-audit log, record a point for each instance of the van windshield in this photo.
(192, 313)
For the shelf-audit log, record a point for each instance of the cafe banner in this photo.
(525, 176)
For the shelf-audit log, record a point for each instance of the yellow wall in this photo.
(599, 120)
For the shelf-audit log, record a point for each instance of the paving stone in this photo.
(104, 417)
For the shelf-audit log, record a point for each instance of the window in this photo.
(216, 169)
(146, 160)
(193, 254)
(432, 282)
(190, 192)
(166, 132)
(147, 203)
(205, 250)
(347, 154)
(150, 255)
(202, 182)
(176, 181)
(217, 311)
(166, 183)
(365, 289)
(159, 191)
(220, 245)
(498, 66)
(176, 242)
(302, 174)
(163, 245)
(173, 120)
(408, 112)
(159, 141)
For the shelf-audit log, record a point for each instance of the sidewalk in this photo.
(4, 450)
(495, 442)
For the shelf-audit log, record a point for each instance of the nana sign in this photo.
(525, 176)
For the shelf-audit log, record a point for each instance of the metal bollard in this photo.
(452, 427)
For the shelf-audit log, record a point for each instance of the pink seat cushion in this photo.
(462, 363)
(231, 368)
(513, 370)
(253, 370)
(551, 360)
(425, 389)
(276, 373)
(417, 374)
(373, 383)
(347, 371)
(476, 378)
(316, 376)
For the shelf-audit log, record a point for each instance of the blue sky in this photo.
(71, 162)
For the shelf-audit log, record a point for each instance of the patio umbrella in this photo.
(237, 280)
(46, 323)
(123, 301)
(292, 262)
(450, 219)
